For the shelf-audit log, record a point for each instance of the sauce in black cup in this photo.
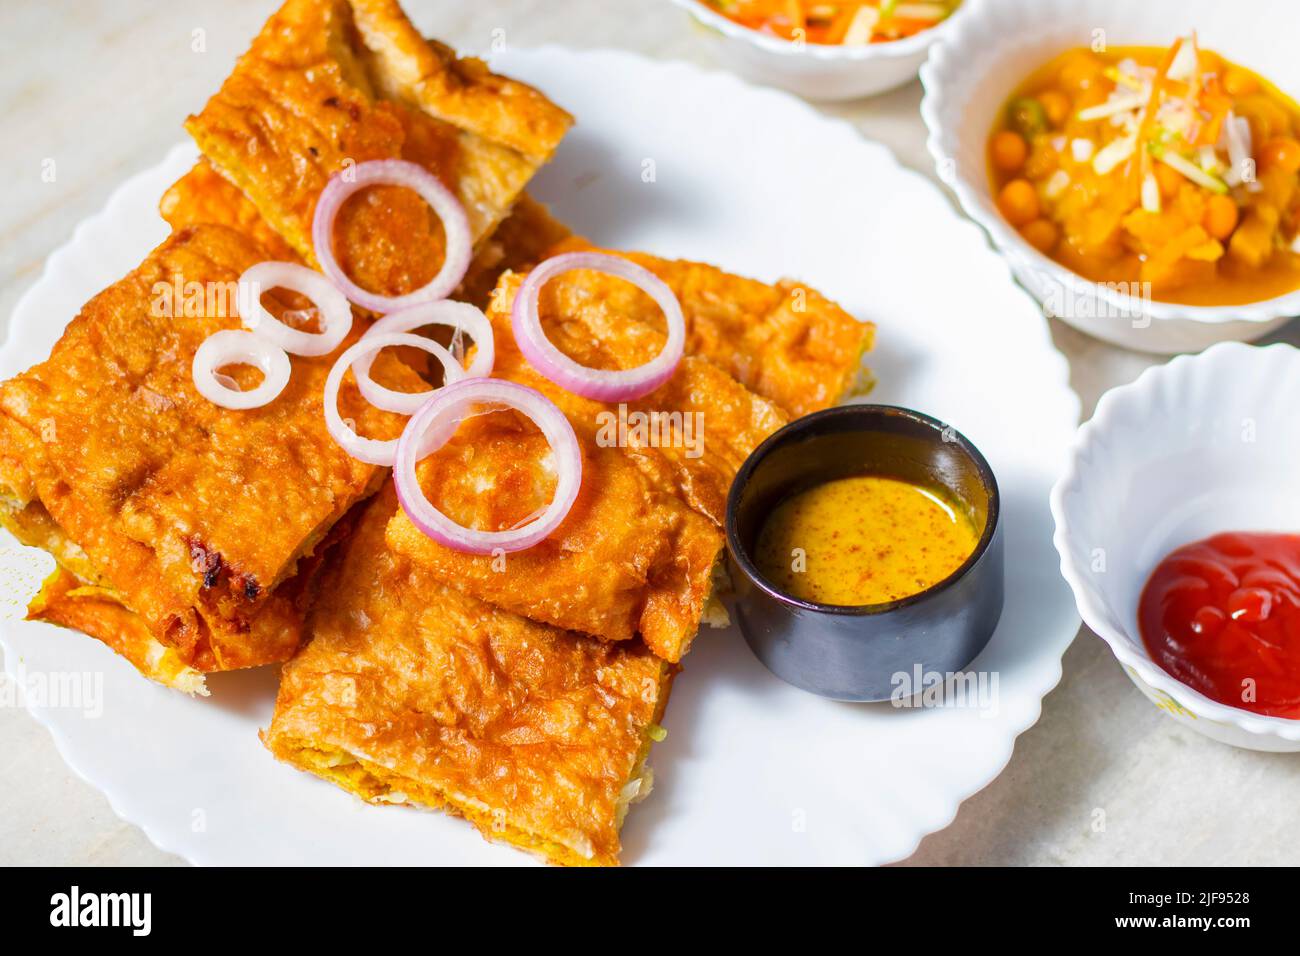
(853, 652)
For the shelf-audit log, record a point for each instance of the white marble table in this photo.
(101, 88)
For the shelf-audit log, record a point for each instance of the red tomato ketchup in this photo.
(1223, 616)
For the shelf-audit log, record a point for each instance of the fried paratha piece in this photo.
(204, 196)
(520, 241)
(189, 515)
(68, 601)
(630, 558)
(634, 555)
(786, 342)
(692, 433)
(330, 83)
(411, 692)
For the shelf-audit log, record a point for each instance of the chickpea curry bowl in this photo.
(1173, 171)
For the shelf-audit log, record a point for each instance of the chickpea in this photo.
(1041, 234)
(1239, 82)
(1094, 95)
(1080, 72)
(1169, 180)
(1220, 217)
(1019, 202)
(1042, 162)
(1057, 106)
(1009, 151)
(1281, 153)
(1267, 119)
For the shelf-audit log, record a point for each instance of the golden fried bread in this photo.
(786, 342)
(410, 692)
(700, 425)
(519, 242)
(69, 602)
(633, 556)
(629, 558)
(192, 515)
(330, 83)
(460, 91)
(204, 196)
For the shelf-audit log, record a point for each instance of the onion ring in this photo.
(335, 312)
(600, 384)
(374, 451)
(239, 347)
(419, 440)
(457, 315)
(393, 172)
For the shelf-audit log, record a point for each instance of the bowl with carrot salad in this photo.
(1148, 193)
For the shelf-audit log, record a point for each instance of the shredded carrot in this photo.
(1143, 165)
(899, 27)
(845, 12)
(1214, 110)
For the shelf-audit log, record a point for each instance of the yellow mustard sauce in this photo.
(863, 540)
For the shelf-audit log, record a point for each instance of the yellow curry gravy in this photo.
(1120, 166)
(867, 539)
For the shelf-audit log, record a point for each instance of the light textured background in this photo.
(101, 89)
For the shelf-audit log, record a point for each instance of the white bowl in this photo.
(818, 71)
(1204, 444)
(989, 52)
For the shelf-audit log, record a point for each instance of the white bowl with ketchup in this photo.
(1178, 526)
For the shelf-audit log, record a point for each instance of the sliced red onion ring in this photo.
(375, 451)
(457, 315)
(393, 172)
(239, 347)
(335, 312)
(600, 384)
(428, 430)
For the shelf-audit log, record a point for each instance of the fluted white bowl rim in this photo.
(1226, 364)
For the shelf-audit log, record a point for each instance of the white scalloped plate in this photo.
(753, 771)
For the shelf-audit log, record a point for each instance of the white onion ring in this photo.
(375, 451)
(335, 312)
(393, 172)
(239, 347)
(456, 315)
(600, 384)
(420, 439)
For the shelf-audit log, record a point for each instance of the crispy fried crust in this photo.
(410, 692)
(518, 244)
(630, 557)
(699, 427)
(634, 555)
(98, 611)
(204, 196)
(192, 514)
(786, 342)
(72, 599)
(521, 240)
(328, 83)
(461, 91)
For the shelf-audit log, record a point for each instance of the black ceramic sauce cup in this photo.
(855, 653)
